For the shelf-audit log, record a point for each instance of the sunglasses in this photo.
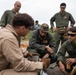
(62, 8)
(72, 35)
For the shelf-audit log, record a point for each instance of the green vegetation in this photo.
(28, 35)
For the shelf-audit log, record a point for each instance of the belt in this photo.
(62, 27)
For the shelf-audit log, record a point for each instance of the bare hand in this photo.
(69, 27)
(62, 67)
(54, 28)
(70, 61)
(49, 49)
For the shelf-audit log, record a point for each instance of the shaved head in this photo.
(18, 2)
(17, 6)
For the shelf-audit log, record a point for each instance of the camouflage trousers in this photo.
(59, 37)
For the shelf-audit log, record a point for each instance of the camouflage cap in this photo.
(44, 27)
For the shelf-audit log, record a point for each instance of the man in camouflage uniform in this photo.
(42, 42)
(61, 19)
(9, 14)
(70, 47)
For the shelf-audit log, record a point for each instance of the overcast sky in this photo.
(41, 10)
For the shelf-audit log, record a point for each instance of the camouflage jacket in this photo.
(68, 47)
(39, 43)
(62, 19)
(7, 17)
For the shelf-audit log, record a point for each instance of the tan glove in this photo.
(33, 56)
(46, 63)
(46, 56)
(30, 54)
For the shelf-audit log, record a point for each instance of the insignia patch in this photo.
(45, 41)
(64, 17)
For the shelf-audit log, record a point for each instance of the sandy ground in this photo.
(24, 44)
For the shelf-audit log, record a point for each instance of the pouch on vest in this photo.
(62, 30)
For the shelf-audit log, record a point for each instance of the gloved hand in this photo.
(30, 54)
(46, 56)
(33, 56)
(46, 63)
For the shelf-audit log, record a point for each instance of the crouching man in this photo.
(43, 43)
(12, 61)
(66, 64)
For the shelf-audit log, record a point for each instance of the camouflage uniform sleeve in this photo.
(52, 43)
(33, 42)
(52, 20)
(62, 52)
(71, 20)
(4, 19)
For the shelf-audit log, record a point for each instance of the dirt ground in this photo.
(24, 44)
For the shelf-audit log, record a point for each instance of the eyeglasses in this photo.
(72, 35)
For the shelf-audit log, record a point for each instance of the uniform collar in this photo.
(11, 29)
(72, 43)
(63, 12)
(13, 11)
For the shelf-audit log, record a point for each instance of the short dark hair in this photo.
(62, 4)
(22, 19)
(73, 29)
(36, 21)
